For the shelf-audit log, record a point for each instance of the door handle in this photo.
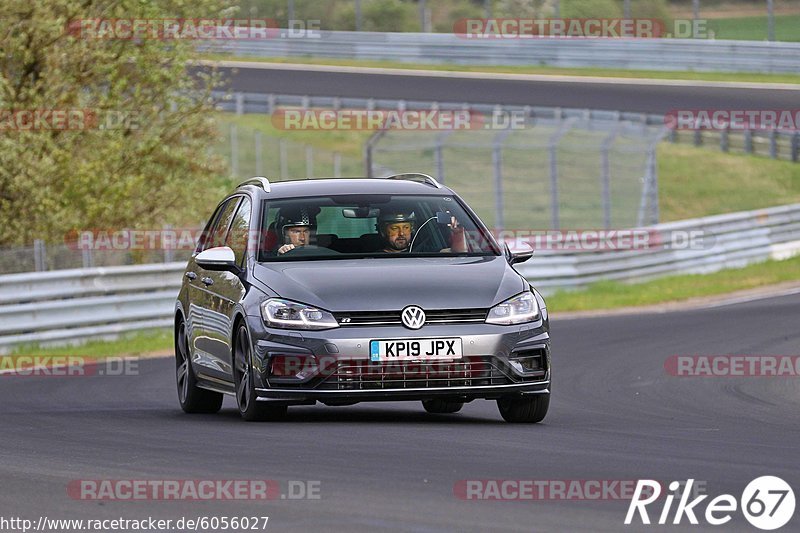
(191, 275)
(207, 281)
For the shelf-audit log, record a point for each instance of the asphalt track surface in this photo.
(634, 97)
(615, 415)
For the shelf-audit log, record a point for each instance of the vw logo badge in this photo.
(413, 317)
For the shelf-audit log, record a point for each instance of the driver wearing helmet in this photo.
(296, 227)
(398, 229)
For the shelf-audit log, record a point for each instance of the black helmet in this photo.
(391, 217)
(296, 216)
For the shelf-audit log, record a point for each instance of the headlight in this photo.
(280, 313)
(517, 310)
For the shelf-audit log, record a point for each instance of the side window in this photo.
(205, 236)
(238, 234)
(216, 235)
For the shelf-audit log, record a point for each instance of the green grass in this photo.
(143, 342)
(532, 69)
(787, 28)
(611, 295)
(696, 182)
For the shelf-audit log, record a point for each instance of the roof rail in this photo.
(258, 181)
(418, 177)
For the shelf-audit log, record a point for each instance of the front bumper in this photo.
(489, 368)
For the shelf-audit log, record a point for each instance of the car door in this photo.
(213, 328)
(195, 288)
(227, 288)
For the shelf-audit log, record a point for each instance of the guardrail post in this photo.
(257, 140)
(87, 258)
(39, 255)
(748, 141)
(284, 160)
(796, 146)
(724, 142)
(305, 102)
(698, 136)
(337, 165)
(270, 104)
(773, 144)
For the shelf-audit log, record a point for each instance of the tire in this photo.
(192, 398)
(246, 396)
(524, 410)
(440, 407)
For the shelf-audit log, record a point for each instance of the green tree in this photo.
(147, 168)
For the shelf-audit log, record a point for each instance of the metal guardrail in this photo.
(73, 305)
(729, 241)
(646, 54)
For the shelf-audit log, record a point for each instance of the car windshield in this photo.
(369, 225)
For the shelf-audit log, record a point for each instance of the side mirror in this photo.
(220, 258)
(518, 257)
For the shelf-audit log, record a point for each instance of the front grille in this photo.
(366, 375)
(392, 318)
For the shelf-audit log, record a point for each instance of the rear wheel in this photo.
(246, 396)
(192, 398)
(524, 409)
(439, 406)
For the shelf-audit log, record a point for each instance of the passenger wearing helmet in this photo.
(396, 230)
(296, 228)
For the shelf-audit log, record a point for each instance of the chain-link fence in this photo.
(555, 173)
(252, 152)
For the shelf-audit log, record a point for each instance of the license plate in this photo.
(402, 350)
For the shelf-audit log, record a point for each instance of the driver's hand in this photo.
(285, 248)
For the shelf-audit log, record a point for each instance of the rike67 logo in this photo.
(767, 503)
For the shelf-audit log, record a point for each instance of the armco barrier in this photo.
(73, 305)
(646, 54)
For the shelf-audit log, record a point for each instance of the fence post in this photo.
(284, 160)
(724, 142)
(337, 165)
(86, 257)
(773, 143)
(497, 167)
(309, 161)
(270, 103)
(796, 146)
(369, 147)
(39, 255)
(748, 141)
(552, 151)
(257, 138)
(239, 104)
(234, 151)
(605, 176)
(169, 251)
